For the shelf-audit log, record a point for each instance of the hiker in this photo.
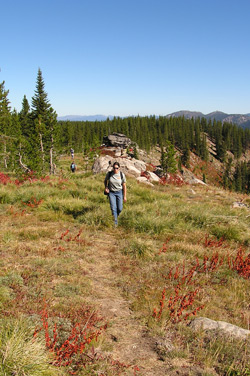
(115, 188)
(73, 166)
(72, 153)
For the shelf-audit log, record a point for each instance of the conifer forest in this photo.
(32, 139)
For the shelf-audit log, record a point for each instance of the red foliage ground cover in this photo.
(181, 302)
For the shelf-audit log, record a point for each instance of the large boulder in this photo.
(117, 140)
(143, 179)
(220, 327)
(132, 166)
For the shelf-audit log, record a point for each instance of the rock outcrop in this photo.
(117, 140)
(132, 166)
(240, 205)
(220, 327)
(114, 150)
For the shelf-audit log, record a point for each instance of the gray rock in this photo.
(153, 177)
(132, 167)
(142, 179)
(117, 140)
(240, 205)
(163, 346)
(221, 327)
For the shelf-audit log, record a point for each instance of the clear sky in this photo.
(128, 57)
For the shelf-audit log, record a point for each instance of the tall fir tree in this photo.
(203, 148)
(45, 120)
(185, 158)
(25, 118)
(5, 124)
(29, 147)
(168, 161)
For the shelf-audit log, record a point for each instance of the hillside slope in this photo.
(59, 247)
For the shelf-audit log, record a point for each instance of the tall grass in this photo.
(20, 353)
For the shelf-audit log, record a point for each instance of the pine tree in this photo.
(135, 152)
(29, 147)
(15, 144)
(226, 179)
(25, 119)
(238, 178)
(185, 158)
(203, 148)
(168, 162)
(44, 118)
(5, 123)
(197, 138)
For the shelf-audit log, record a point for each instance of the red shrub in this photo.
(4, 179)
(173, 179)
(240, 263)
(74, 351)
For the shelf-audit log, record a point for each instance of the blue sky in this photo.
(128, 57)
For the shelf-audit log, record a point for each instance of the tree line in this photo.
(187, 135)
(31, 139)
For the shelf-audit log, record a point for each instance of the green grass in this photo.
(38, 262)
(20, 353)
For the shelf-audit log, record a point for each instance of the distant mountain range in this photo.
(84, 118)
(239, 119)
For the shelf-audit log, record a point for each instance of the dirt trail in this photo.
(127, 337)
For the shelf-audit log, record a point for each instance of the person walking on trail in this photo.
(72, 153)
(73, 166)
(115, 188)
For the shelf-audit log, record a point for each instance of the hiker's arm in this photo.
(106, 185)
(124, 192)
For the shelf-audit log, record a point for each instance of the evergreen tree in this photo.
(226, 179)
(197, 138)
(185, 158)
(168, 162)
(44, 118)
(25, 119)
(238, 178)
(5, 114)
(15, 161)
(203, 148)
(135, 152)
(29, 145)
(5, 123)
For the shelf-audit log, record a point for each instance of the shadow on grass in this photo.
(76, 212)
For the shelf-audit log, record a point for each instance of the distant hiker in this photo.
(73, 166)
(115, 188)
(72, 153)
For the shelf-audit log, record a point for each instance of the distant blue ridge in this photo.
(242, 120)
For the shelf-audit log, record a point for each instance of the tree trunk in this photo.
(52, 165)
(51, 161)
(21, 163)
(42, 150)
(5, 154)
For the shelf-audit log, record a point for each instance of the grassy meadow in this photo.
(178, 252)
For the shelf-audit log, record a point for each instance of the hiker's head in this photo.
(116, 166)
